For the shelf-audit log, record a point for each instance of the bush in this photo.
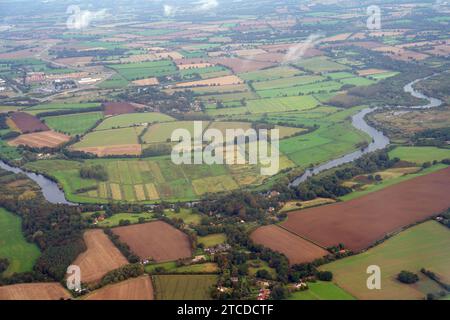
(4, 264)
(122, 274)
(325, 275)
(407, 277)
(426, 165)
(279, 293)
(97, 172)
(263, 274)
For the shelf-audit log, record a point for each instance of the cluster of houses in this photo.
(223, 247)
(264, 294)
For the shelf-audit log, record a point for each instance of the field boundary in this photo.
(302, 237)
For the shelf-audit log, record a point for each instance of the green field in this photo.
(202, 71)
(9, 152)
(147, 180)
(21, 254)
(110, 137)
(74, 124)
(318, 87)
(185, 214)
(157, 178)
(357, 81)
(171, 267)
(162, 132)
(321, 64)
(270, 74)
(321, 290)
(8, 108)
(334, 137)
(212, 240)
(134, 71)
(115, 82)
(339, 75)
(184, 287)
(422, 246)
(382, 76)
(420, 155)
(114, 220)
(129, 120)
(270, 105)
(255, 265)
(286, 82)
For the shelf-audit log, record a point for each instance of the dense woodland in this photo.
(56, 229)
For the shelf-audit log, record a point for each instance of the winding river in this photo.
(54, 194)
(50, 189)
(379, 140)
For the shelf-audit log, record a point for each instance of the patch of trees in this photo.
(3, 124)
(73, 154)
(242, 204)
(96, 172)
(445, 218)
(407, 277)
(69, 53)
(4, 264)
(68, 111)
(157, 150)
(121, 274)
(10, 135)
(154, 99)
(123, 247)
(56, 229)
(330, 185)
(437, 86)
(432, 137)
(324, 275)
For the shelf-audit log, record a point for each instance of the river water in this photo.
(379, 140)
(54, 194)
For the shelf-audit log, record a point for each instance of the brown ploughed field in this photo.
(296, 249)
(156, 240)
(134, 289)
(100, 257)
(34, 291)
(50, 139)
(360, 222)
(115, 108)
(28, 123)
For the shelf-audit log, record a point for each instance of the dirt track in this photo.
(157, 240)
(360, 222)
(295, 248)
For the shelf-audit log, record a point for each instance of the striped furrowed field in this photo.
(150, 179)
(184, 287)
